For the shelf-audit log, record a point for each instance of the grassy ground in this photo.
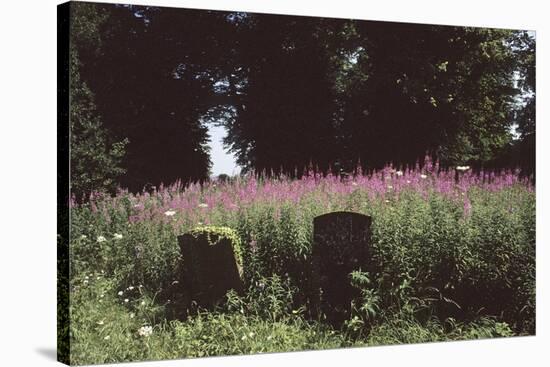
(452, 260)
(106, 329)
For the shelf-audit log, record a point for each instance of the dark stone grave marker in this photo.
(210, 267)
(340, 245)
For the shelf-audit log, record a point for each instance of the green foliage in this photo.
(456, 265)
(63, 301)
(153, 81)
(95, 158)
(214, 234)
(270, 298)
(446, 264)
(374, 86)
(407, 330)
(106, 329)
(109, 326)
(153, 249)
(525, 115)
(277, 242)
(378, 92)
(369, 304)
(449, 261)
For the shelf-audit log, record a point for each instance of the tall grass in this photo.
(453, 258)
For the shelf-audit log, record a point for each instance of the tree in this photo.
(282, 118)
(295, 92)
(95, 158)
(421, 88)
(524, 44)
(339, 92)
(157, 78)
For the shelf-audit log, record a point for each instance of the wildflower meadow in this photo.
(328, 182)
(453, 258)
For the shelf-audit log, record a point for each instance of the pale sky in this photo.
(222, 162)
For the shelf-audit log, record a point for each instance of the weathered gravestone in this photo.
(212, 264)
(340, 245)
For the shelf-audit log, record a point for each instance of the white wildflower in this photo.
(251, 334)
(354, 183)
(130, 288)
(101, 239)
(126, 300)
(132, 315)
(83, 237)
(143, 303)
(390, 187)
(117, 236)
(423, 176)
(120, 293)
(85, 281)
(462, 168)
(243, 337)
(107, 337)
(203, 205)
(145, 331)
(170, 213)
(399, 173)
(408, 181)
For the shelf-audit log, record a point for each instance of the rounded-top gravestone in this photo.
(340, 245)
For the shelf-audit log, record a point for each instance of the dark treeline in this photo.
(291, 91)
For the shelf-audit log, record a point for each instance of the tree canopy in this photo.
(95, 157)
(299, 91)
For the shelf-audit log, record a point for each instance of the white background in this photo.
(28, 181)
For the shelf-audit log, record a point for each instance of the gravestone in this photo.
(212, 264)
(340, 245)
